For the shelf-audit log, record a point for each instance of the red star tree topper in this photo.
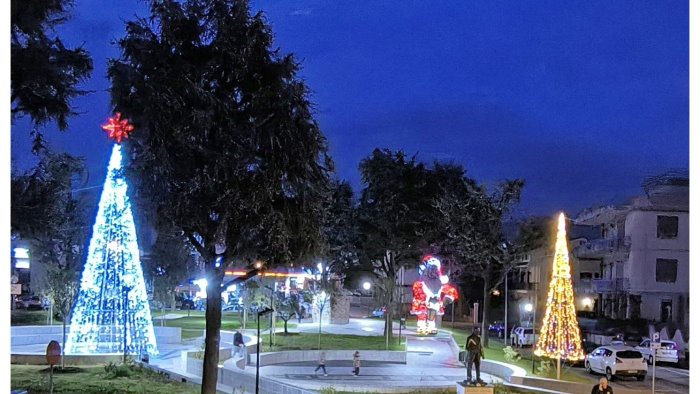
(118, 128)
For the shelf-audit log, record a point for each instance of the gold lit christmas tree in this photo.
(560, 337)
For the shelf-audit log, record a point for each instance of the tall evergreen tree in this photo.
(44, 211)
(44, 72)
(227, 145)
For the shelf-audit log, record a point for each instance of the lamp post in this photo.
(505, 318)
(257, 355)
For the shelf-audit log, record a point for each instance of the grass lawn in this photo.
(21, 317)
(308, 341)
(35, 379)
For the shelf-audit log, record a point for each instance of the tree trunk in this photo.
(285, 327)
(485, 315)
(63, 344)
(213, 334)
(388, 331)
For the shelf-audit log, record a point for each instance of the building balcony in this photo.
(611, 285)
(599, 248)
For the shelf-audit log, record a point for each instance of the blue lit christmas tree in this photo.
(112, 312)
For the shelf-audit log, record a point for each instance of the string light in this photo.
(560, 336)
(112, 306)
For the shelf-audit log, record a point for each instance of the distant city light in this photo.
(21, 253)
(202, 283)
(22, 264)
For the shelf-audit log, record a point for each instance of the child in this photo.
(321, 363)
(356, 363)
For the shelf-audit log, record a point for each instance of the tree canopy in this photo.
(225, 143)
(44, 71)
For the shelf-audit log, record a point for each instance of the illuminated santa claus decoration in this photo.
(431, 293)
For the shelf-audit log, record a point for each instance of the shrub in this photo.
(510, 355)
(545, 368)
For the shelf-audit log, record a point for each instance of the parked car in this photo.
(187, 304)
(379, 312)
(614, 361)
(512, 336)
(232, 308)
(523, 336)
(30, 303)
(667, 353)
(497, 328)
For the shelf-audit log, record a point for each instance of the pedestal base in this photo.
(464, 388)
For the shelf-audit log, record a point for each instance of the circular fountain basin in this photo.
(28, 345)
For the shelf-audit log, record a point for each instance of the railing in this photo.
(611, 285)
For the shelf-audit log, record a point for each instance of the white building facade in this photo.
(643, 254)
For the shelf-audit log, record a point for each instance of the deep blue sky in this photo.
(582, 99)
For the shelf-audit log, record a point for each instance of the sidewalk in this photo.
(432, 362)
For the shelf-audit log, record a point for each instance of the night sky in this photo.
(581, 99)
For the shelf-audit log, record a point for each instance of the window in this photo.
(587, 276)
(596, 275)
(629, 354)
(666, 227)
(666, 270)
(666, 311)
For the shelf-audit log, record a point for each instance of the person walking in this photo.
(238, 345)
(602, 387)
(475, 352)
(356, 364)
(321, 363)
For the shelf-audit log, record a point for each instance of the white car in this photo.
(616, 361)
(523, 336)
(667, 353)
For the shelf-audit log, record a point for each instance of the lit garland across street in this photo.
(560, 337)
(112, 306)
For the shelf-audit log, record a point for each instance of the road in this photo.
(669, 379)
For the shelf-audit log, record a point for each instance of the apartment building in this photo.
(628, 261)
(643, 253)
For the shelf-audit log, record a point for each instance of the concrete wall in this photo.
(312, 355)
(563, 386)
(168, 334)
(504, 389)
(236, 378)
(32, 335)
(40, 359)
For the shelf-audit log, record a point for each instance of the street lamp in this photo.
(262, 312)
(528, 307)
